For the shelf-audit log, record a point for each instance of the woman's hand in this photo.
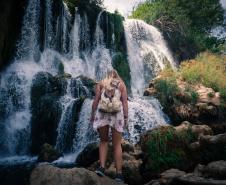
(125, 123)
(92, 119)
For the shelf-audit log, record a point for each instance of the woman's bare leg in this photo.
(103, 147)
(116, 141)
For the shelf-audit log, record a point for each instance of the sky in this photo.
(126, 6)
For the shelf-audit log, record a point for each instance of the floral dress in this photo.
(115, 120)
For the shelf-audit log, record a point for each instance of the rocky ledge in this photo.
(45, 174)
(212, 174)
(192, 102)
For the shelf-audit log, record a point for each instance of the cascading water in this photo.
(147, 55)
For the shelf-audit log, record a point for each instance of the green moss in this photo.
(122, 66)
(167, 90)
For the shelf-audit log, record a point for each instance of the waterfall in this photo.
(70, 46)
(28, 46)
(147, 53)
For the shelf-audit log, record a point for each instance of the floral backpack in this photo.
(110, 98)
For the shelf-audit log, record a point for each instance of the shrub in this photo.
(167, 90)
(207, 69)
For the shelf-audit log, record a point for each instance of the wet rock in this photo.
(83, 86)
(215, 170)
(168, 176)
(191, 179)
(150, 91)
(46, 114)
(48, 153)
(89, 155)
(46, 174)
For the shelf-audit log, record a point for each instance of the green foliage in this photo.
(121, 65)
(83, 4)
(167, 148)
(207, 69)
(191, 94)
(185, 23)
(167, 90)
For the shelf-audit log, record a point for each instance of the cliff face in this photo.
(11, 14)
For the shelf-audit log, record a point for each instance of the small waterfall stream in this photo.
(147, 55)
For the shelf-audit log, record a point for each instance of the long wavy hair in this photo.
(111, 76)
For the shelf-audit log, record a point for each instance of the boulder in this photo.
(45, 174)
(88, 156)
(169, 175)
(192, 179)
(82, 86)
(46, 114)
(48, 153)
(215, 170)
(195, 129)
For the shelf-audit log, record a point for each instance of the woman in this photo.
(112, 117)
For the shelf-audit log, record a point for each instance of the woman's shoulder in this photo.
(122, 85)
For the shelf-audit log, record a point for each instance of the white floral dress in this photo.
(115, 120)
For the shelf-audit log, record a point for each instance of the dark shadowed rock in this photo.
(48, 153)
(215, 170)
(89, 155)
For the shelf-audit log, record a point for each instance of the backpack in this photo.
(110, 99)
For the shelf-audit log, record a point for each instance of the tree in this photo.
(185, 23)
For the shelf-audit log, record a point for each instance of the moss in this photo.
(166, 91)
(122, 66)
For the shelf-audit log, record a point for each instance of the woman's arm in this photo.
(124, 98)
(95, 101)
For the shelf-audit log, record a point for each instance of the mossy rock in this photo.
(83, 87)
(48, 153)
(164, 148)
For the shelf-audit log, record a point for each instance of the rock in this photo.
(48, 153)
(195, 129)
(168, 176)
(44, 83)
(45, 174)
(185, 125)
(13, 12)
(89, 155)
(127, 147)
(46, 109)
(208, 148)
(218, 128)
(83, 86)
(215, 170)
(164, 148)
(46, 114)
(191, 179)
(131, 171)
(201, 130)
(150, 91)
(130, 166)
(220, 138)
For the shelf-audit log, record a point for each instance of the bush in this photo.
(185, 24)
(166, 87)
(207, 69)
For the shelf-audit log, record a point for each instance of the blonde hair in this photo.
(111, 75)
